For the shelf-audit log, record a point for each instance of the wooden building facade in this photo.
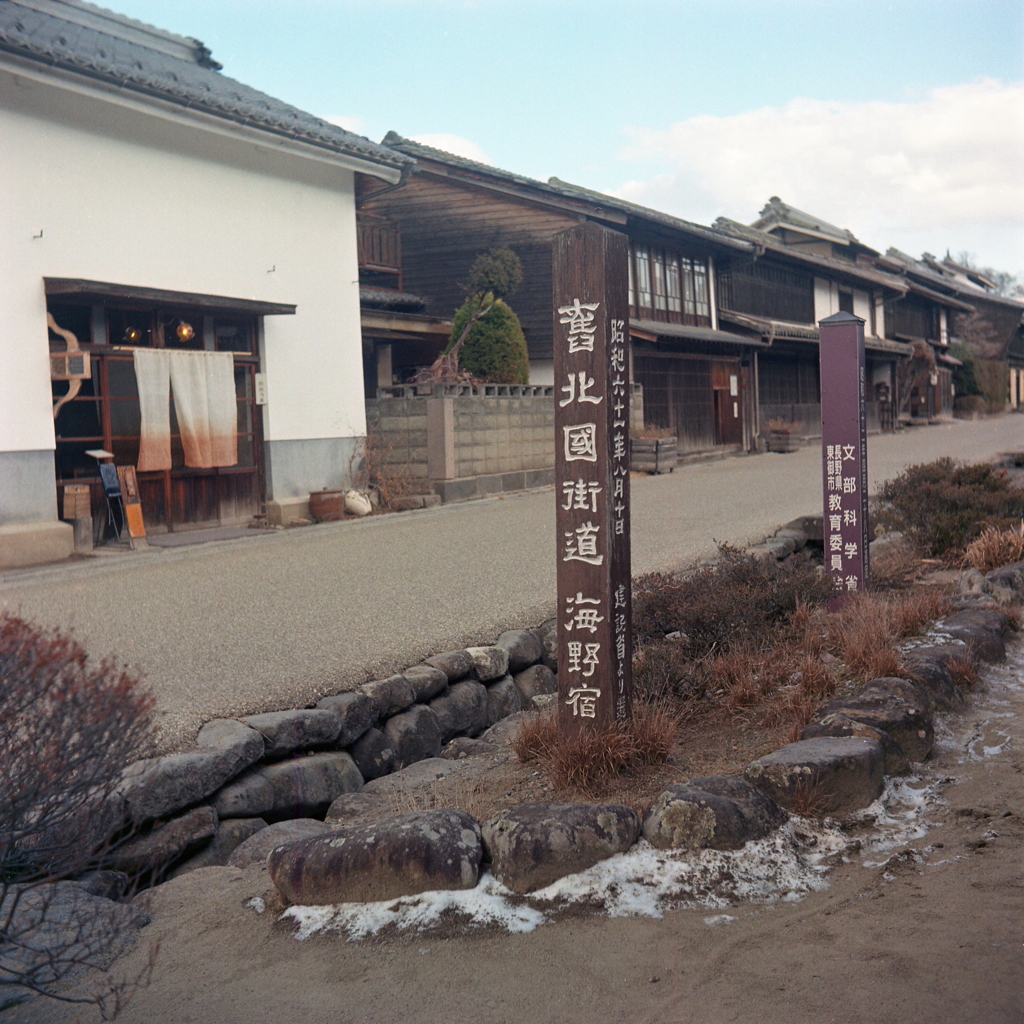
(695, 377)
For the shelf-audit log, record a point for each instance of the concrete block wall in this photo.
(503, 435)
(398, 427)
(484, 439)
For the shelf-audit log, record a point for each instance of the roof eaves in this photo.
(562, 189)
(42, 39)
(768, 243)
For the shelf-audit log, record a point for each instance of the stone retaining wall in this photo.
(253, 784)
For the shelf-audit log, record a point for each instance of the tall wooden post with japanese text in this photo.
(844, 452)
(591, 329)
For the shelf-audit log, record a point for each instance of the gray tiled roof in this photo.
(933, 273)
(564, 190)
(846, 268)
(386, 299)
(104, 46)
(776, 211)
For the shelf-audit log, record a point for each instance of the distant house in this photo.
(805, 270)
(988, 324)
(153, 205)
(696, 374)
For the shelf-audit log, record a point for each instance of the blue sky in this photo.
(902, 120)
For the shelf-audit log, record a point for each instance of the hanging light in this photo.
(133, 335)
(185, 331)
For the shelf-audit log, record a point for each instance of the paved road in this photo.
(278, 619)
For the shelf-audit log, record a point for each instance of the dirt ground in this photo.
(933, 936)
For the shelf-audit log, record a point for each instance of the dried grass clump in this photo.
(778, 680)
(963, 670)
(910, 611)
(594, 757)
(994, 547)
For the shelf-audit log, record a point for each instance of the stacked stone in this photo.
(310, 793)
(193, 809)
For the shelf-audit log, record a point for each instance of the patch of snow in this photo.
(898, 816)
(719, 919)
(488, 903)
(256, 903)
(642, 882)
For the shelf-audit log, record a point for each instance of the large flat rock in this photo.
(163, 845)
(895, 706)
(533, 845)
(285, 732)
(400, 856)
(821, 776)
(717, 812)
(462, 711)
(524, 648)
(357, 711)
(414, 735)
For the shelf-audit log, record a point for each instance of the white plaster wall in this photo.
(542, 372)
(125, 197)
(879, 317)
(826, 298)
(862, 308)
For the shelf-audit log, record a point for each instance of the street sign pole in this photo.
(591, 367)
(844, 453)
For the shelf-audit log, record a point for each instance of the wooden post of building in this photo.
(591, 325)
(844, 452)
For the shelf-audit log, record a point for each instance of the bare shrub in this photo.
(662, 673)
(737, 600)
(378, 469)
(994, 547)
(942, 506)
(597, 756)
(67, 730)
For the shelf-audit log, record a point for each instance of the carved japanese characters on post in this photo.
(591, 318)
(844, 452)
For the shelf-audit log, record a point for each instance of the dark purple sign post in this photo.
(591, 323)
(844, 452)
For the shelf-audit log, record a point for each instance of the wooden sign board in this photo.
(591, 328)
(132, 502)
(844, 452)
(77, 501)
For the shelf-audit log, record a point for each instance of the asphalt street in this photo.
(278, 619)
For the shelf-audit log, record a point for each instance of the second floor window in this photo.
(767, 289)
(666, 286)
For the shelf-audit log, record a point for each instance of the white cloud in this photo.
(350, 124)
(454, 144)
(944, 171)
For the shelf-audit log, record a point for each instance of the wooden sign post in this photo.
(591, 324)
(844, 452)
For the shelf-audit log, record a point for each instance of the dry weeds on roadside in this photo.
(964, 670)
(590, 759)
(740, 640)
(790, 655)
(994, 547)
